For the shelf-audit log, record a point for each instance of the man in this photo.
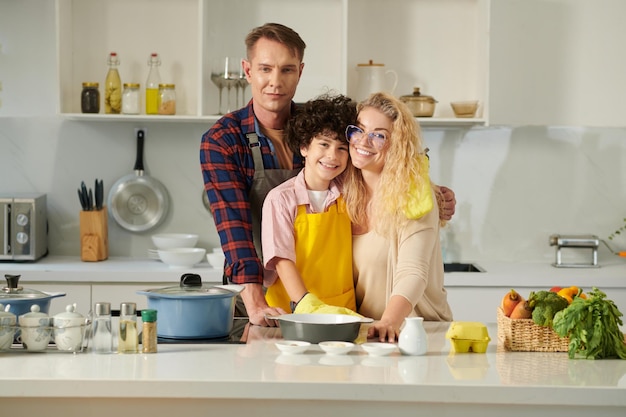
(244, 155)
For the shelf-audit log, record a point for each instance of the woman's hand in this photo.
(384, 330)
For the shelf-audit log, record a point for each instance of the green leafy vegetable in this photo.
(592, 325)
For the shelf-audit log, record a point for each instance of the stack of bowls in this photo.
(216, 258)
(178, 250)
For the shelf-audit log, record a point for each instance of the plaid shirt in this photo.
(228, 170)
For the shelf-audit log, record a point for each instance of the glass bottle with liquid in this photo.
(102, 337)
(127, 336)
(152, 84)
(113, 87)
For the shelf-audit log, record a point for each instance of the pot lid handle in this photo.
(12, 281)
(190, 280)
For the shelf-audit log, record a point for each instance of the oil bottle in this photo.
(113, 86)
(152, 84)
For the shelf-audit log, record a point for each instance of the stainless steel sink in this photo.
(461, 267)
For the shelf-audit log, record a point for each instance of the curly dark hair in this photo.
(326, 114)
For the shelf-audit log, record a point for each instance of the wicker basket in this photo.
(523, 335)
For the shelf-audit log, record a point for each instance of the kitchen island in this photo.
(254, 378)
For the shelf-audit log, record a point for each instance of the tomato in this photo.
(556, 289)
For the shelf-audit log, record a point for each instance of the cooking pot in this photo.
(315, 328)
(192, 310)
(21, 299)
(420, 105)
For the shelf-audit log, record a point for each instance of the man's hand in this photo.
(257, 308)
(446, 201)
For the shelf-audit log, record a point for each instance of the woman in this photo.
(397, 264)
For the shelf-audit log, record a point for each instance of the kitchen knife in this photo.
(98, 196)
(82, 200)
(90, 200)
(101, 191)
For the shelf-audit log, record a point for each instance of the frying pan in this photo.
(138, 202)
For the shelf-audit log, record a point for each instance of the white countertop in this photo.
(611, 274)
(114, 269)
(258, 371)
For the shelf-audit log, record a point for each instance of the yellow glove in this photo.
(313, 305)
(421, 199)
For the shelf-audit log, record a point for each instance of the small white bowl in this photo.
(336, 348)
(180, 258)
(292, 347)
(216, 259)
(379, 349)
(174, 240)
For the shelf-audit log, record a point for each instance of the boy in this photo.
(306, 232)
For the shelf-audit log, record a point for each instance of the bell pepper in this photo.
(570, 292)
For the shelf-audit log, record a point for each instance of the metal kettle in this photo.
(374, 78)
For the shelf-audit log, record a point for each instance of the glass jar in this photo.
(90, 98)
(149, 331)
(131, 98)
(167, 99)
(102, 335)
(127, 336)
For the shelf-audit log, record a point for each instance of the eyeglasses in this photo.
(355, 134)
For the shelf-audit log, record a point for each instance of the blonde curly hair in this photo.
(400, 174)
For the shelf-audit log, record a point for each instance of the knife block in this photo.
(94, 235)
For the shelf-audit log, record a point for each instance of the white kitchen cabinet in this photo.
(74, 293)
(118, 293)
(439, 45)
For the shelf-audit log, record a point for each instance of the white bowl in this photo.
(216, 259)
(336, 348)
(379, 349)
(179, 258)
(292, 347)
(174, 240)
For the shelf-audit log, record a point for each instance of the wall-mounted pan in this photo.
(138, 202)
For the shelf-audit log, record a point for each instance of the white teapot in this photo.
(374, 78)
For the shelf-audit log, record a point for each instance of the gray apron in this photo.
(263, 181)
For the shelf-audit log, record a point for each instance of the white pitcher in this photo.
(374, 78)
(413, 339)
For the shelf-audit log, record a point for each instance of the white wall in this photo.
(515, 185)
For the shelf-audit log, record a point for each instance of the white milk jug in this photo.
(374, 78)
(413, 339)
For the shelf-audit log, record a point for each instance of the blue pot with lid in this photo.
(193, 310)
(21, 299)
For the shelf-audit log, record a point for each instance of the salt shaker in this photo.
(102, 337)
(127, 338)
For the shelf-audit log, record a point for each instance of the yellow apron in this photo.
(323, 258)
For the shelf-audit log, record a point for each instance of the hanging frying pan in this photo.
(138, 202)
